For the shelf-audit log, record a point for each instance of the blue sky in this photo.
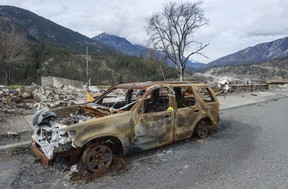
(233, 24)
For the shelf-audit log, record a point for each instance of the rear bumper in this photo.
(39, 154)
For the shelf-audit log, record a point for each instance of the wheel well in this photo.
(112, 142)
(206, 119)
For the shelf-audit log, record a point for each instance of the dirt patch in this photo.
(82, 176)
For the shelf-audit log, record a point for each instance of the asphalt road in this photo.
(248, 151)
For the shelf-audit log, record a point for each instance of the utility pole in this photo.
(87, 69)
(162, 72)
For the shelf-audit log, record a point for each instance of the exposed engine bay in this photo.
(48, 134)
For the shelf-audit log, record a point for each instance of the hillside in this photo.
(276, 69)
(123, 45)
(47, 31)
(256, 54)
(32, 46)
(44, 48)
(9, 26)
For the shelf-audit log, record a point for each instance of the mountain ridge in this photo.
(41, 29)
(126, 47)
(45, 30)
(258, 53)
(121, 44)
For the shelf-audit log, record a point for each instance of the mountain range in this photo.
(45, 30)
(37, 28)
(252, 55)
(123, 45)
(257, 54)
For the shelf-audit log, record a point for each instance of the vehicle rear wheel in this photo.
(201, 129)
(97, 158)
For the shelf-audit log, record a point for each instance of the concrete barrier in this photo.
(58, 82)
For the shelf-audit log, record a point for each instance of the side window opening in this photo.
(157, 101)
(184, 97)
(206, 94)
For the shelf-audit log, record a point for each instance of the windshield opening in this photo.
(122, 99)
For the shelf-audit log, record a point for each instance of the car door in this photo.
(187, 112)
(210, 105)
(153, 120)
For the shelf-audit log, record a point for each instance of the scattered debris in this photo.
(26, 99)
(12, 133)
(73, 168)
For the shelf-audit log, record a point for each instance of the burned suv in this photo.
(126, 118)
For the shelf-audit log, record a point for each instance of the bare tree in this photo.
(12, 50)
(171, 32)
(152, 58)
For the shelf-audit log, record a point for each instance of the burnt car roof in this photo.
(145, 85)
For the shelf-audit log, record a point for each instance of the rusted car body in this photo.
(127, 118)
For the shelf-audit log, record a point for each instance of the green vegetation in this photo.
(11, 87)
(45, 59)
(36, 47)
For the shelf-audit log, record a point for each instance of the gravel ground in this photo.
(248, 151)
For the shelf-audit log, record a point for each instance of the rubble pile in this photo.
(15, 101)
(27, 99)
(54, 97)
(76, 117)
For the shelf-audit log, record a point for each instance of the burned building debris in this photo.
(19, 104)
(26, 99)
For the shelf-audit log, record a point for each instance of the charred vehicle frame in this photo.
(126, 118)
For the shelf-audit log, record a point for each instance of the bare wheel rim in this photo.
(97, 158)
(202, 129)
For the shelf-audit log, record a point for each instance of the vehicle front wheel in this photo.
(97, 158)
(201, 129)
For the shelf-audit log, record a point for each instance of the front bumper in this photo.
(71, 155)
(39, 154)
